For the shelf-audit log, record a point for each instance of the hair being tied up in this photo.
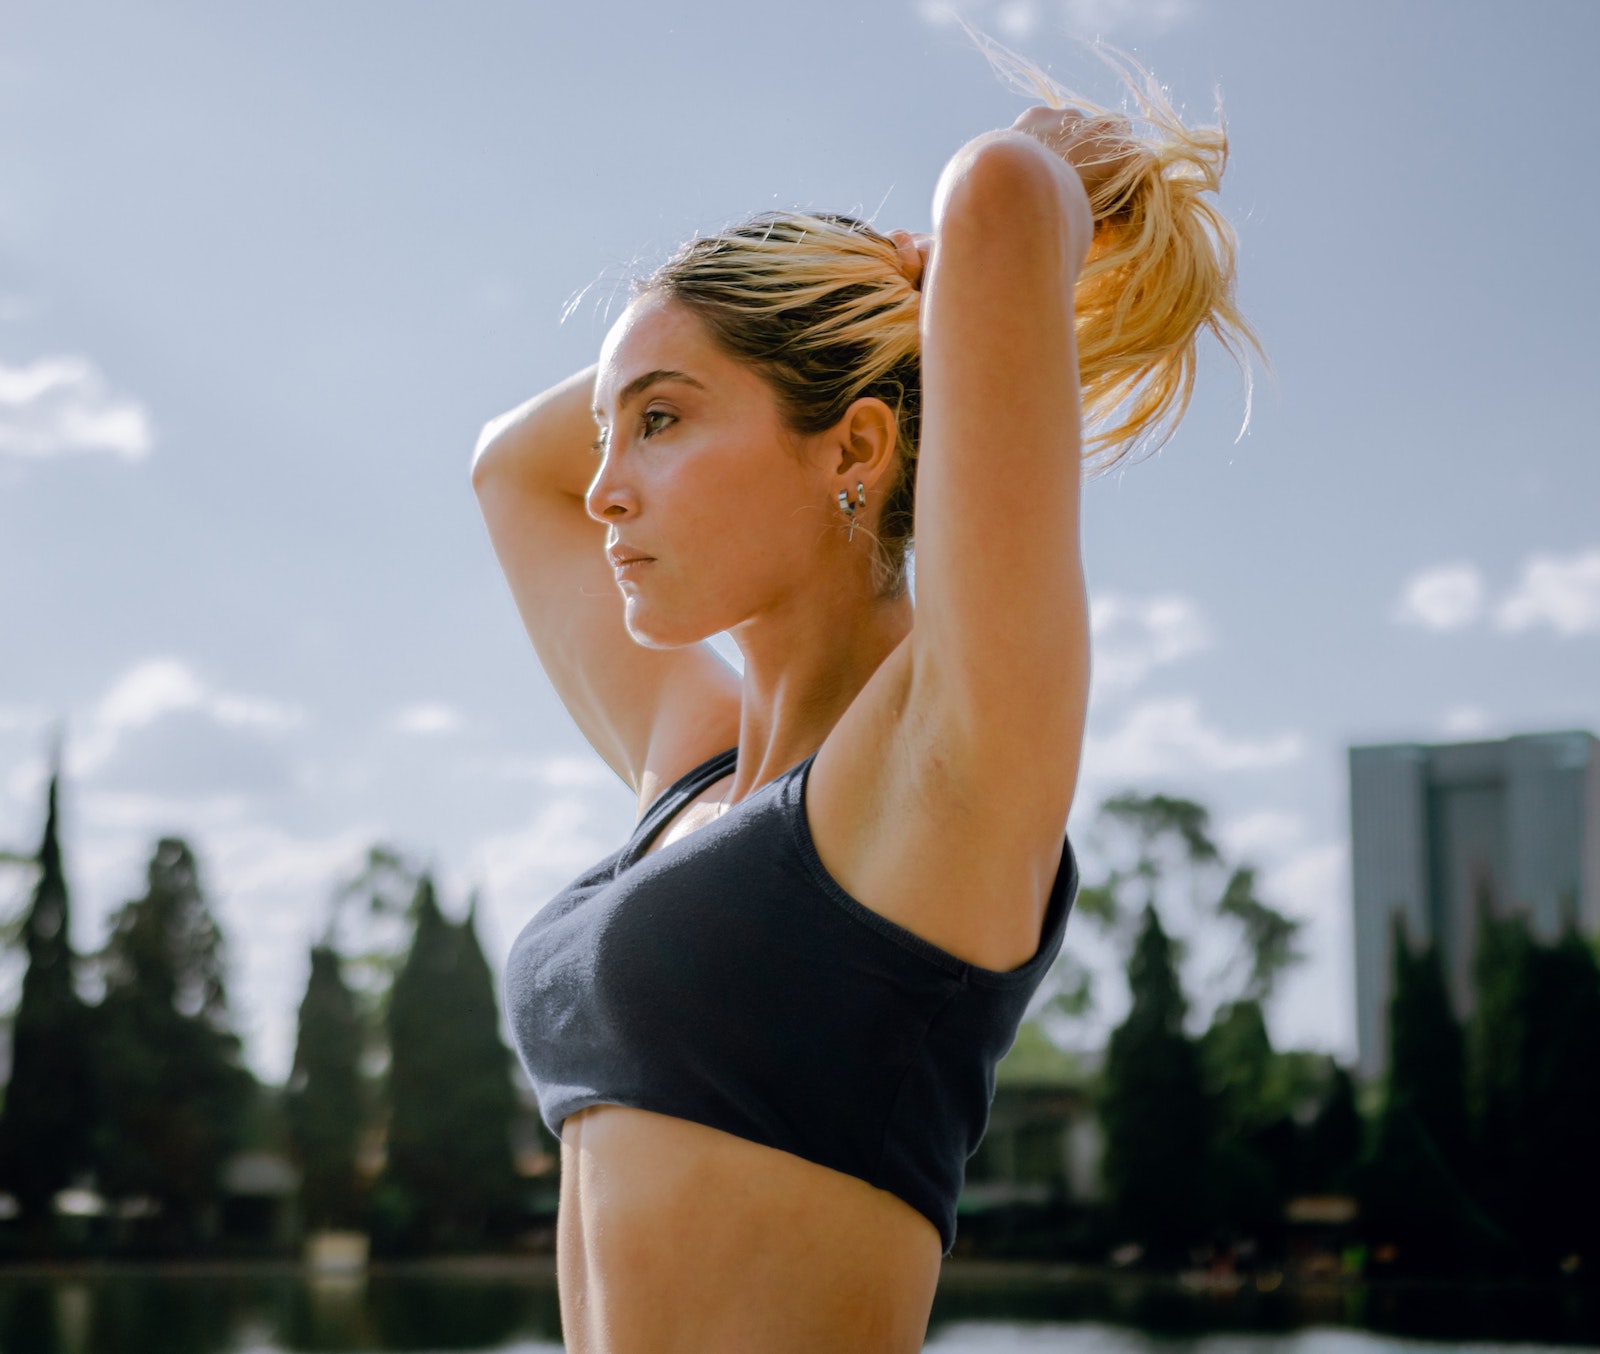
(1162, 265)
(821, 304)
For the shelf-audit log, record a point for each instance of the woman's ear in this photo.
(866, 438)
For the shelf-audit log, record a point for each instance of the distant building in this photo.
(1436, 831)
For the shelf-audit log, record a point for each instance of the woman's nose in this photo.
(608, 499)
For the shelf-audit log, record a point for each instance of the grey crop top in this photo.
(728, 979)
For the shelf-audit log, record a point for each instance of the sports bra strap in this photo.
(667, 804)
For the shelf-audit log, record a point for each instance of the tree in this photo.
(1269, 936)
(1415, 1189)
(174, 1092)
(49, 1103)
(1160, 854)
(449, 1179)
(324, 1104)
(1331, 1149)
(1561, 1102)
(1253, 1137)
(1498, 1062)
(1153, 1107)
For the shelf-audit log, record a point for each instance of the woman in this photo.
(765, 1029)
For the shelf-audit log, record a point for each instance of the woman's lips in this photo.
(627, 563)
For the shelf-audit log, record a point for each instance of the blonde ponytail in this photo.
(1162, 265)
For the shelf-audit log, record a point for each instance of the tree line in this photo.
(399, 1113)
(1475, 1152)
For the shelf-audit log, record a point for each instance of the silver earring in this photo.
(849, 507)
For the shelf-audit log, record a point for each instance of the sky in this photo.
(266, 270)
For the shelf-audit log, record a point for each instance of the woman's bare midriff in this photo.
(679, 1239)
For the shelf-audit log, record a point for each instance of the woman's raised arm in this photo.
(650, 713)
(1000, 651)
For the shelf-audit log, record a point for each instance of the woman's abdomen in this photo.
(674, 1236)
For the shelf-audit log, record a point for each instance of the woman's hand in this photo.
(913, 250)
(1099, 148)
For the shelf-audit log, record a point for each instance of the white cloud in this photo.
(1266, 832)
(1563, 593)
(155, 688)
(1017, 20)
(937, 12)
(1132, 636)
(428, 717)
(1100, 18)
(1445, 597)
(1169, 737)
(57, 405)
(1465, 721)
(565, 836)
(144, 693)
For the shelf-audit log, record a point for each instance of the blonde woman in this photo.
(766, 1028)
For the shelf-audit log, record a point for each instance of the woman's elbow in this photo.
(490, 450)
(1007, 182)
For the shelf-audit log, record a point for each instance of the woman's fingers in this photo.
(913, 252)
(1099, 147)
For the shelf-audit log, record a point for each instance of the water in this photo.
(512, 1309)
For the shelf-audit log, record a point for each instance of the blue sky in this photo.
(265, 270)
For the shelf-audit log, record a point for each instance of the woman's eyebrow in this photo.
(640, 384)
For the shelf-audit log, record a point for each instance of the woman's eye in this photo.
(656, 420)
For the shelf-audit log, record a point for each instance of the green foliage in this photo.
(1162, 851)
(1269, 935)
(1541, 1171)
(325, 1105)
(174, 1093)
(1236, 1057)
(1332, 1146)
(1498, 1042)
(1153, 817)
(1414, 1190)
(449, 1178)
(1427, 1057)
(49, 1104)
(1154, 1109)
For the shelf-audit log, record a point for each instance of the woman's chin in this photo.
(651, 630)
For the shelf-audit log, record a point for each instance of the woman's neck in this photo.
(801, 672)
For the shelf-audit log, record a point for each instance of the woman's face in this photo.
(717, 513)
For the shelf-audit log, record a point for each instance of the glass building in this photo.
(1438, 832)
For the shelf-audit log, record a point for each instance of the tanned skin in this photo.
(658, 499)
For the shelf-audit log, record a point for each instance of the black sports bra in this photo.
(728, 979)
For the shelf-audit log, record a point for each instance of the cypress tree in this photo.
(1253, 1138)
(174, 1090)
(1331, 1148)
(324, 1104)
(1414, 1192)
(449, 1179)
(1561, 1098)
(1153, 1108)
(49, 1104)
(1498, 1064)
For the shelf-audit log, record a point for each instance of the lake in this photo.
(509, 1307)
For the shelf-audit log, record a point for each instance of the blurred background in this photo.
(278, 770)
